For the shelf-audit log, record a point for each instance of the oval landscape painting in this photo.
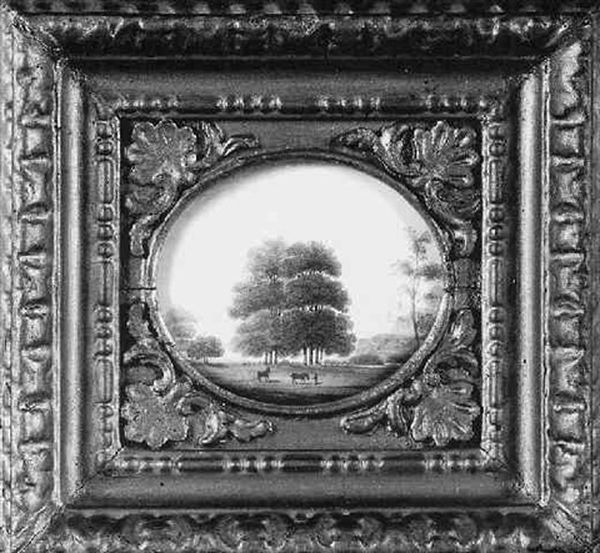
(299, 284)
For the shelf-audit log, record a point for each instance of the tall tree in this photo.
(316, 302)
(259, 302)
(418, 270)
(293, 302)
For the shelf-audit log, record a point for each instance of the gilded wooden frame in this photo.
(77, 301)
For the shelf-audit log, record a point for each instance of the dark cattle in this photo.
(263, 376)
(300, 377)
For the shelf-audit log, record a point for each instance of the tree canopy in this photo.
(203, 347)
(293, 302)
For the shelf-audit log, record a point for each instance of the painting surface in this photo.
(299, 284)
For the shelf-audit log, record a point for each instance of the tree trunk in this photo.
(305, 353)
(276, 357)
(414, 321)
(266, 358)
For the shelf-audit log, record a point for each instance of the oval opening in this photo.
(299, 284)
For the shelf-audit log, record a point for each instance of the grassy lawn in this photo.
(332, 382)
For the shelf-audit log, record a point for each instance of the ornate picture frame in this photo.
(115, 116)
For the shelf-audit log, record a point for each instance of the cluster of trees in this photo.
(183, 328)
(292, 303)
(421, 278)
(203, 347)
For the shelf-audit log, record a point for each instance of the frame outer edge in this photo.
(569, 364)
(27, 329)
(595, 270)
(5, 267)
(285, 7)
(24, 316)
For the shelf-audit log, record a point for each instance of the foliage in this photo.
(311, 257)
(204, 347)
(315, 289)
(267, 261)
(260, 301)
(257, 294)
(292, 302)
(366, 359)
(261, 333)
(324, 329)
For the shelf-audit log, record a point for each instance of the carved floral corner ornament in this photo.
(436, 163)
(439, 404)
(164, 159)
(166, 409)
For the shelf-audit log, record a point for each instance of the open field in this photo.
(332, 382)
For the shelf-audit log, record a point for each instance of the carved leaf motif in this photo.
(161, 150)
(394, 413)
(437, 163)
(146, 355)
(447, 410)
(365, 421)
(164, 159)
(446, 414)
(164, 409)
(154, 418)
(446, 154)
(213, 425)
(439, 404)
(213, 144)
(390, 145)
(454, 351)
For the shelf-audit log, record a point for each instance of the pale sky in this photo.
(361, 218)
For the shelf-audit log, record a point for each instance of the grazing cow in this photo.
(300, 377)
(264, 376)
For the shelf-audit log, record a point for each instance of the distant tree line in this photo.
(203, 347)
(292, 303)
(183, 328)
